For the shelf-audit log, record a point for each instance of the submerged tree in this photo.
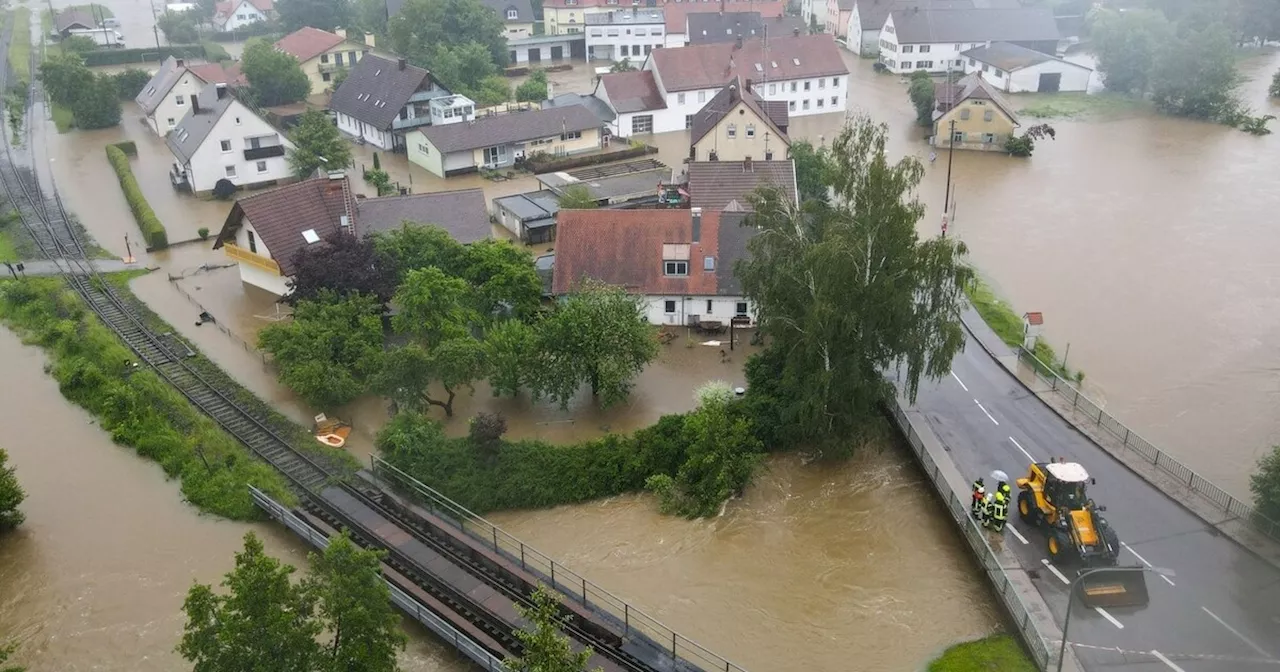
(331, 348)
(848, 293)
(722, 454)
(344, 265)
(1265, 484)
(546, 649)
(317, 144)
(354, 609)
(922, 97)
(11, 495)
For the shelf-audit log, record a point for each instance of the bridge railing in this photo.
(977, 539)
(576, 587)
(1131, 440)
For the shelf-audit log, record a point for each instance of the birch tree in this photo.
(847, 293)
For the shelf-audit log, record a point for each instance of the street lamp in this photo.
(1071, 596)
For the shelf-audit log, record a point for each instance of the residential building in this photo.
(602, 111)
(165, 99)
(382, 99)
(499, 141)
(232, 15)
(542, 48)
(711, 27)
(727, 185)
(531, 216)
(516, 15)
(680, 261)
(220, 138)
(569, 17)
(624, 34)
(983, 119)
(867, 17)
(1014, 69)
(837, 15)
(806, 72)
(73, 19)
(265, 231)
(677, 15)
(321, 53)
(933, 39)
(736, 125)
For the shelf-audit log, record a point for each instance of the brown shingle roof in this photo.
(725, 102)
(281, 215)
(632, 91)
(306, 43)
(511, 127)
(971, 85)
(708, 66)
(726, 185)
(624, 247)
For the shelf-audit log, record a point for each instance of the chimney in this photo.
(795, 32)
(370, 40)
(181, 62)
(400, 63)
(340, 32)
(737, 43)
(697, 224)
(746, 165)
(195, 104)
(222, 90)
(747, 88)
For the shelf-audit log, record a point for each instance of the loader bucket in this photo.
(1114, 588)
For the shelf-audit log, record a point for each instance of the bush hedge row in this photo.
(129, 147)
(142, 55)
(94, 370)
(152, 230)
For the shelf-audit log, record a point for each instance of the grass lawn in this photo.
(997, 653)
(7, 250)
(1007, 323)
(20, 45)
(62, 117)
(1076, 105)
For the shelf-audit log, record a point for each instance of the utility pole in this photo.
(155, 25)
(951, 152)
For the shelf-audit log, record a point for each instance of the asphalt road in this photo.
(1221, 611)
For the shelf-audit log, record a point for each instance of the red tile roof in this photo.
(710, 66)
(212, 73)
(676, 13)
(281, 215)
(727, 185)
(624, 247)
(632, 91)
(306, 43)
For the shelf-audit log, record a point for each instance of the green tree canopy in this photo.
(503, 278)
(130, 82)
(97, 105)
(411, 370)
(354, 610)
(1195, 75)
(316, 138)
(329, 350)
(1275, 85)
(179, 27)
(78, 44)
(577, 197)
(344, 264)
(412, 247)
(922, 97)
(370, 16)
(274, 76)
(546, 649)
(434, 307)
(1265, 484)
(812, 167)
(509, 350)
(11, 496)
(65, 76)
(721, 457)
(533, 89)
(848, 291)
(1127, 45)
(7, 650)
(322, 14)
(461, 41)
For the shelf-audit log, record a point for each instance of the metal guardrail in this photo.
(959, 510)
(407, 604)
(1133, 441)
(560, 577)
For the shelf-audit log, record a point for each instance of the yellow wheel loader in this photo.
(1053, 498)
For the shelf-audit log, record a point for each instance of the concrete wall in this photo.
(984, 117)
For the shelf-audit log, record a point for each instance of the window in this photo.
(806, 104)
(820, 103)
(571, 135)
(688, 121)
(793, 87)
(709, 310)
(253, 242)
(835, 81)
(680, 99)
(324, 58)
(791, 106)
(262, 167)
(908, 48)
(732, 130)
(964, 114)
(822, 83)
(988, 115)
(986, 68)
(740, 308)
(924, 65)
(708, 264)
(237, 121)
(179, 100)
(676, 268)
(773, 88)
(231, 171)
(958, 47)
(648, 48)
(702, 96)
(226, 146)
(751, 130)
(807, 83)
(626, 51)
(641, 32)
(989, 138)
(958, 136)
(906, 65)
(669, 306)
(835, 101)
(924, 48)
(972, 62)
(172, 123)
(512, 14)
(324, 76)
(642, 123)
(999, 73)
(424, 148)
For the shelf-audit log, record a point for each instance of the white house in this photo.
(167, 97)
(933, 39)
(381, 100)
(805, 71)
(238, 14)
(681, 261)
(221, 138)
(1014, 69)
(625, 34)
(498, 141)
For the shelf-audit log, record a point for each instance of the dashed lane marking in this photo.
(1237, 633)
(1018, 534)
(1160, 656)
(1129, 548)
(1055, 571)
(1024, 450)
(984, 410)
(1107, 615)
(1132, 653)
(966, 387)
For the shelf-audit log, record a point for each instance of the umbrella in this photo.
(998, 476)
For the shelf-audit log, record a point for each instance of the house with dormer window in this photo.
(382, 100)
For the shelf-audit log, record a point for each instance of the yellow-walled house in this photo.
(736, 125)
(322, 54)
(566, 17)
(983, 119)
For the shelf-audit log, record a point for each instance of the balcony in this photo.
(253, 259)
(425, 96)
(332, 67)
(256, 153)
(399, 124)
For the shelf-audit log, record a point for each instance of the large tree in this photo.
(179, 27)
(534, 89)
(470, 70)
(1127, 45)
(413, 246)
(546, 649)
(410, 371)
(434, 307)
(848, 292)
(721, 455)
(65, 76)
(98, 104)
(262, 617)
(11, 495)
(329, 350)
(1265, 484)
(504, 278)
(322, 14)
(275, 77)
(812, 165)
(318, 144)
(509, 351)
(922, 97)
(424, 25)
(370, 16)
(354, 609)
(344, 264)
(599, 336)
(1195, 75)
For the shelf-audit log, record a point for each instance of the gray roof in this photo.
(732, 246)
(194, 128)
(462, 213)
(626, 186)
(708, 27)
(726, 185)
(376, 89)
(153, 93)
(931, 26)
(1011, 57)
(512, 127)
(73, 18)
(724, 103)
(872, 13)
(534, 206)
(524, 9)
(590, 102)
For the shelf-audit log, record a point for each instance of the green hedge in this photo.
(129, 147)
(142, 55)
(93, 369)
(997, 652)
(152, 230)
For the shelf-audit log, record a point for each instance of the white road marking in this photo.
(1024, 450)
(1160, 656)
(1055, 571)
(1109, 617)
(984, 410)
(953, 375)
(1237, 633)
(1144, 561)
(1018, 534)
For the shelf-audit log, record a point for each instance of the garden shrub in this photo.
(152, 230)
(129, 147)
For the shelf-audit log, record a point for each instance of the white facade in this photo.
(242, 14)
(676, 40)
(860, 40)
(223, 152)
(175, 104)
(1070, 76)
(625, 35)
(247, 239)
(374, 136)
(677, 310)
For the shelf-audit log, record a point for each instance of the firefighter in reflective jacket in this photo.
(979, 493)
(999, 510)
